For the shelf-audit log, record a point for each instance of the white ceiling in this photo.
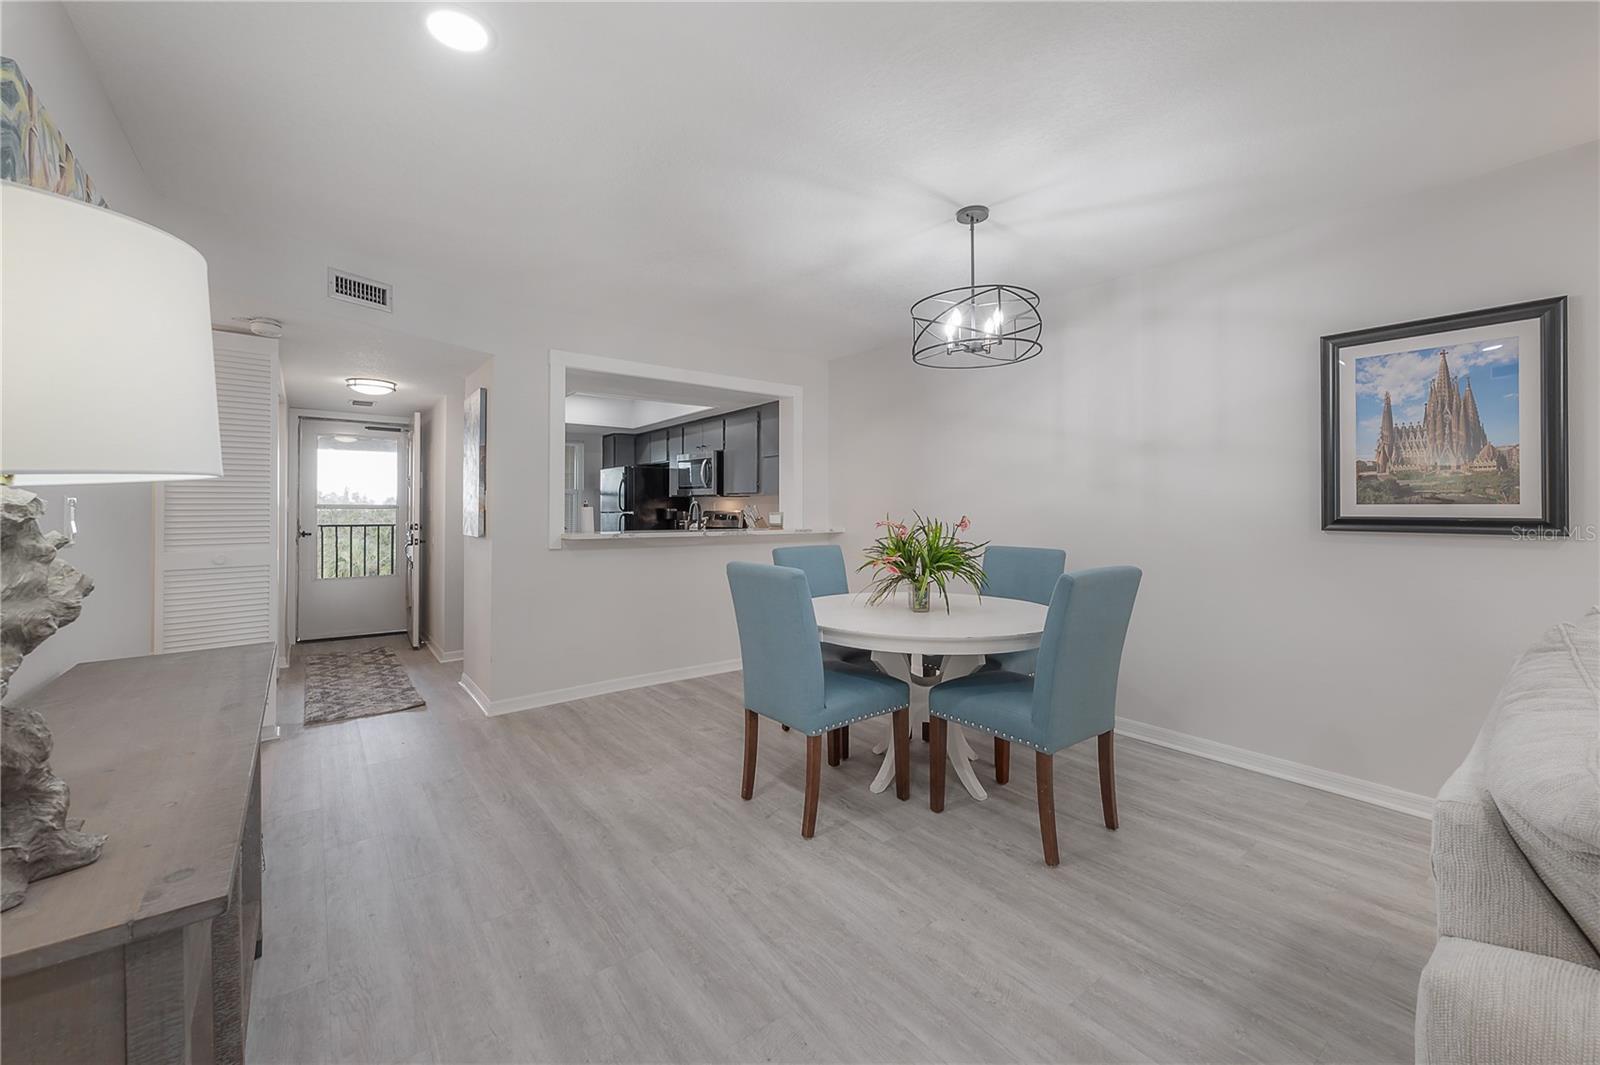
(787, 174)
(317, 354)
(639, 403)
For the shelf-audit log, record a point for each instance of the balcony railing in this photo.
(355, 550)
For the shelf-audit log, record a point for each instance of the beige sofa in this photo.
(1515, 977)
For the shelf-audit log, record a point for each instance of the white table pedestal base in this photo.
(961, 753)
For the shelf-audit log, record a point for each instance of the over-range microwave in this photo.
(698, 473)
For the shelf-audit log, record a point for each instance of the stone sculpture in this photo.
(39, 593)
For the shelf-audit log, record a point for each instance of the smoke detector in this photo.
(270, 328)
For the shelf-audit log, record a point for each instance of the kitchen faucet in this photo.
(696, 515)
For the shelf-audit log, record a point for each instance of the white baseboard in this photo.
(534, 700)
(476, 694)
(1367, 791)
(443, 657)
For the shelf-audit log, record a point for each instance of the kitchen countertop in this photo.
(652, 535)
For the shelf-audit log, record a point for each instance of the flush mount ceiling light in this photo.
(458, 30)
(975, 325)
(369, 386)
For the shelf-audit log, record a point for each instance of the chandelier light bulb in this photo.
(952, 323)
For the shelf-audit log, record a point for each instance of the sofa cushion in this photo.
(1542, 764)
(1479, 1004)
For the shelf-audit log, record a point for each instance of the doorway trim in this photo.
(292, 518)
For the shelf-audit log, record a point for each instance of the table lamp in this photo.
(106, 376)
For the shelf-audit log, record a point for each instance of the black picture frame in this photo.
(1552, 431)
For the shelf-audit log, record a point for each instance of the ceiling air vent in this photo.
(362, 291)
(362, 403)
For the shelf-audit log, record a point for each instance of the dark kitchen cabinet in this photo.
(769, 433)
(675, 443)
(769, 475)
(617, 449)
(741, 454)
(650, 448)
(658, 446)
(711, 434)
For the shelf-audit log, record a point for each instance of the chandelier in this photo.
(975, 325)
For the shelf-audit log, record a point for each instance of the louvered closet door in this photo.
(216, 572)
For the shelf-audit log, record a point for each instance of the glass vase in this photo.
(920, 598)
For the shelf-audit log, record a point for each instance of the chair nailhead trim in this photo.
(853, 720)
(992, 732)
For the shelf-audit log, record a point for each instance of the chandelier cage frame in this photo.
(955, 329)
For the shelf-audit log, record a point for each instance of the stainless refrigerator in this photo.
(633, 498)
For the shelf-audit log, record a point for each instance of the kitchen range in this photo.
(697, 475)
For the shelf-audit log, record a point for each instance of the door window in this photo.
(358, 486)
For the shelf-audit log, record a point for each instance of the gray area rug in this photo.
(345, 684)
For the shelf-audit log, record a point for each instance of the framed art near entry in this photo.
(1453, 424)
(475, 466)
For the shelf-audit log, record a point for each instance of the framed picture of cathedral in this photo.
(1453, 424)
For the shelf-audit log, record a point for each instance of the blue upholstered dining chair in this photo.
(823, 565)
(1027, 573)
(1072, 695)
(784, 678)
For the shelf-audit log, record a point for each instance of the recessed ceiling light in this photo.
(369, 386)
(458, 30)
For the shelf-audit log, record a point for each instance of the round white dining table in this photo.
(969, 630)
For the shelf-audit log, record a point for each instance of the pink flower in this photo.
(963, 525)
(901, 529)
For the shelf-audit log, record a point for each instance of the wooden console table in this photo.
(146, 955)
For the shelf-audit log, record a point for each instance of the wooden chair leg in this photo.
(902, 754)
(938, 749)
(844, 743)
(925, 732)
(1044, 770)
(833, 746)
(1002, 761)
(808, 818)
(752, 728)
(1108, 778)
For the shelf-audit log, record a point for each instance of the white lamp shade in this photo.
(106, 371)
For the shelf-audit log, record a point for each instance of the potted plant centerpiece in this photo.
(922, 556)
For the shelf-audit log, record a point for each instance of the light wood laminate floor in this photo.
(583, 883)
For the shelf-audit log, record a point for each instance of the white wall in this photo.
(1172, 422)
(441, 599)
(114, 522)
(544, 623)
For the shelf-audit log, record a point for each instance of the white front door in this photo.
(354, 510)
